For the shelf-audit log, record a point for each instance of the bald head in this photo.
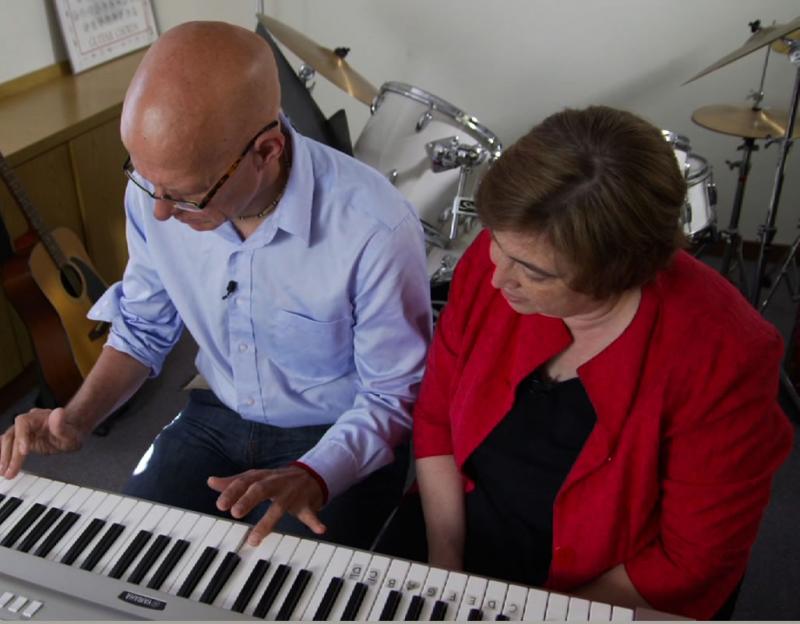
(201, 91)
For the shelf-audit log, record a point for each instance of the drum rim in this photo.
(468, 122)
(677, 141)
(700, 175)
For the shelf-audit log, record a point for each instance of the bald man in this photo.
(299, 272)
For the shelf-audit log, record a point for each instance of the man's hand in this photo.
(291, 490)
(39, 431)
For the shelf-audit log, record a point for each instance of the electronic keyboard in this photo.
(75, 553)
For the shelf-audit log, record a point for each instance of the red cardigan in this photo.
(674, 478)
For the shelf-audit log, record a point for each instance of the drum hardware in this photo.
(434, 154)
(307, 75)
(329, 63)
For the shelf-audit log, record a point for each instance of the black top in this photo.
(518, 470)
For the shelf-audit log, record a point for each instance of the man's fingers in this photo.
(265, 526)
(6, 444)
(232, 489)
(310, 519)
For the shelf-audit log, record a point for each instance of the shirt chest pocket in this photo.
(310, 351)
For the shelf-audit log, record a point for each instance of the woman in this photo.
(599, 410)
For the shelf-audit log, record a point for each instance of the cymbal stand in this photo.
(767, 231)
(731, 236)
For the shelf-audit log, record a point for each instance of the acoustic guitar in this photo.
(51, 283)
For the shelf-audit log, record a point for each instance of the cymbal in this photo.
(780, 46)
(743, 121)
(762, 37)
(325, 61)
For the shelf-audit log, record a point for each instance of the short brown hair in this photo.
(603, 185)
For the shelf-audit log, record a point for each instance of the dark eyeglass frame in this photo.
(186, 204)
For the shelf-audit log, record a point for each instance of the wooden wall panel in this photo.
(97, 158)
(12, 361)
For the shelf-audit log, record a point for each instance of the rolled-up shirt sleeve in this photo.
(144, 322)
(391, 332)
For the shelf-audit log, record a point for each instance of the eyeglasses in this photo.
(185, 204)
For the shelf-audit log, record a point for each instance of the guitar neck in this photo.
(31, 215)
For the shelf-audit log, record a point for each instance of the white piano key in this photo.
(230, 541)
(412, 586)
(578, 610)
(373, 579)
(317, 566)
(28, 491)
(5, 598)
(393, 580)
(556, 608)
(432, 591)
(17, 485)
(453, 593)
(199, 526)
(336, 569)
(113, 509)
(514, 605)
(493, 599)
(473, 596)
(83, 503)
(200, 539)
(621, 614)
(355, 572)
(250, 556)
(282, 554)
(599, 612)
(17, 604)
(177, 524)
(536, 605)
(297, 562)
(143, 516)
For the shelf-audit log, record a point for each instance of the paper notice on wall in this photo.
(96, 31)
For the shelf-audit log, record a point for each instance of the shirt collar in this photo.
(294, 210)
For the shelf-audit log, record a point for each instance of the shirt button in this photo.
(243, 347)
(250, 402)
(564, 556)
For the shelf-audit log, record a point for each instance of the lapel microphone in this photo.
(230, 289)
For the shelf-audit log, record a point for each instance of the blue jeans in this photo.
(208, 439)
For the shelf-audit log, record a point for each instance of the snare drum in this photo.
(406, 122)
(699, 215)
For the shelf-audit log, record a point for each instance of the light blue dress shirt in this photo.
(330, 319)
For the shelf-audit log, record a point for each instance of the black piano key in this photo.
(475, 615)
(23, 524)
(220, 577)
(390, 606)
(271, 592)
(2, 497)
(9, 507)
(294, 595)
(354, 602)
(169, 563)
(501, 617)
(82, 542)
(439, 611)
(48, 520)
(57, 534)
(415, 608)
(326, 604)
(131, 552)
(103, 546)
(149, 558)
(250, 585)
(205, 560)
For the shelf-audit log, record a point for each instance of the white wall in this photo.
(512, 62)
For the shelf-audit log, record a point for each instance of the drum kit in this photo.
(435, 153)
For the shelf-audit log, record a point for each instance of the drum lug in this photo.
(306, 73)
(687, 212)
(424, 120)
(712, 194)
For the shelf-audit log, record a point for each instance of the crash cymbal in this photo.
(781, 46)
(325, 61)
(762, 37)
(743, 121)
